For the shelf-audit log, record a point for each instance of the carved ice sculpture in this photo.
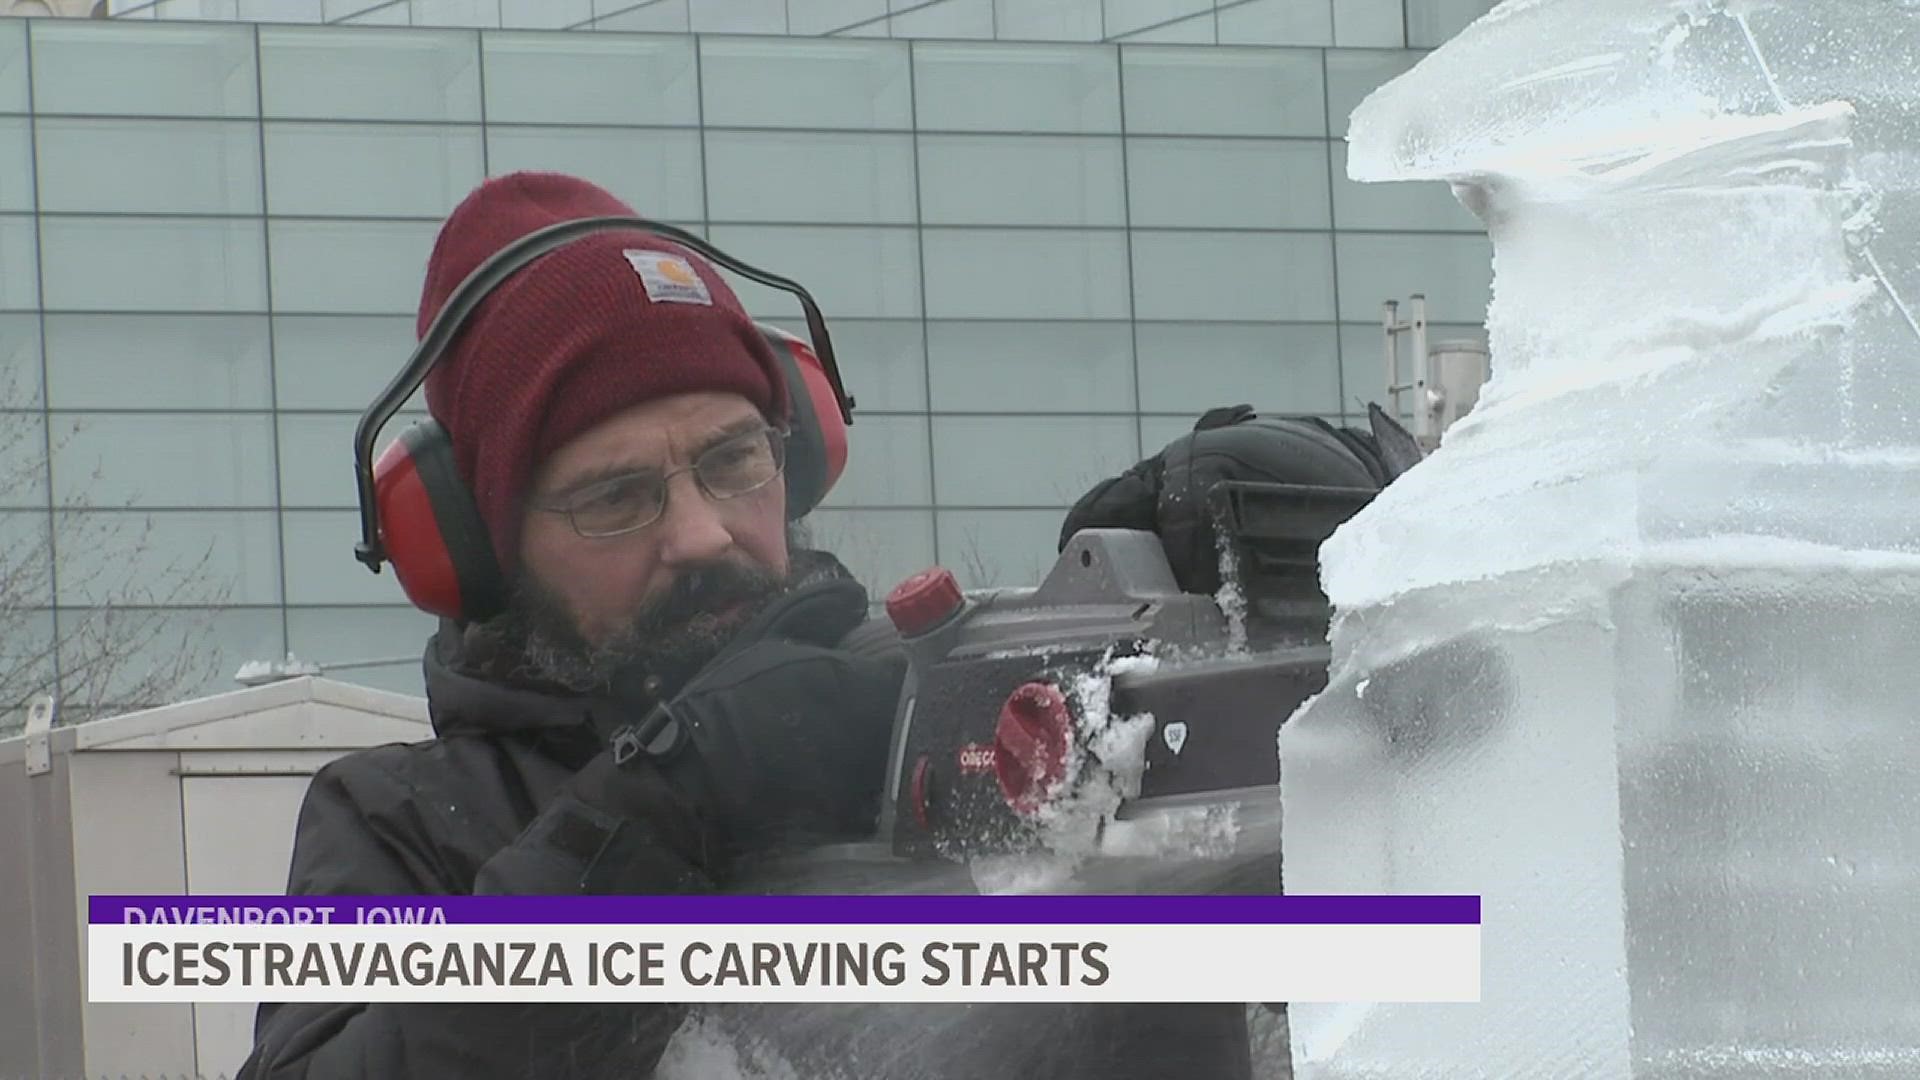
(1635, 654)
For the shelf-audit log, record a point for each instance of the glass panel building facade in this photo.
(1415, 24)
(1040, 259)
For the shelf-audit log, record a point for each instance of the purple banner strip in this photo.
(789, 910)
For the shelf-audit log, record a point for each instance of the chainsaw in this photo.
(1105, 722)
(1106, 713)
(1115, 727)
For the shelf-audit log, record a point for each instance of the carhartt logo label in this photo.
(668, 278)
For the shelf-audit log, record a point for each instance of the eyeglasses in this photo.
(729, 469)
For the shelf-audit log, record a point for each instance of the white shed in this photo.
(196, 797)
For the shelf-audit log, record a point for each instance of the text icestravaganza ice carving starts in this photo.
(616, 963)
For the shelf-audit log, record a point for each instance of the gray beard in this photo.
(535, 641)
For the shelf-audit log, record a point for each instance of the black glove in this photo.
(782, 738)
(1168, 493)
(787, 733)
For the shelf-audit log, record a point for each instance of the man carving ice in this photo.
(621, 425)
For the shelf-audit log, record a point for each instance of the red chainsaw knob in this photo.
(1030, 745)
(922, 790)
(924, 601)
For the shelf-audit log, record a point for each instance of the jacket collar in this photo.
(461, 700)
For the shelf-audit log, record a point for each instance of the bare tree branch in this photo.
(982, 572)
(142, 640)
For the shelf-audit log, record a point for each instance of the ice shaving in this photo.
(1624, 656)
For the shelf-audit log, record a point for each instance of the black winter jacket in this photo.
(450, 816)
(424, 819)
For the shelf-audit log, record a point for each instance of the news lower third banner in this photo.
(784, 948)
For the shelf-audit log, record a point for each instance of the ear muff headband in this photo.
(488, 276)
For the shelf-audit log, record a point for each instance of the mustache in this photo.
(537, 641)
(696, 598)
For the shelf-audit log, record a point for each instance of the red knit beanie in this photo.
(605, 323)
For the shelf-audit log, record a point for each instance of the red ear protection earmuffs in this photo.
(417, 513)
(817, 441)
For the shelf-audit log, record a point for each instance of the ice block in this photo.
(1635, 654)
